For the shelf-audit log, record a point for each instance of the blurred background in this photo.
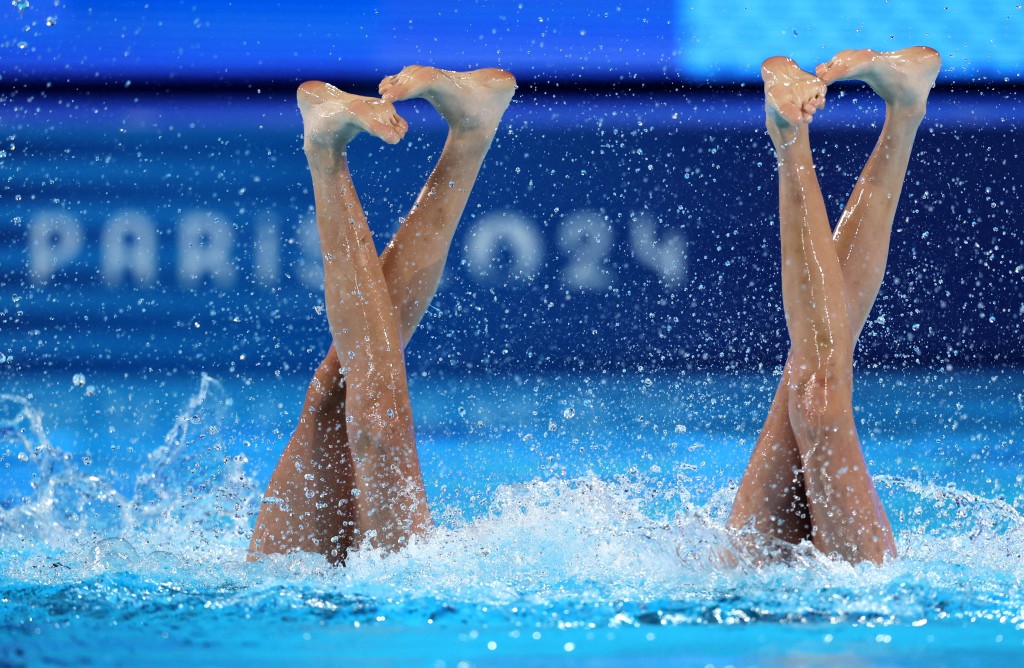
(156, 208)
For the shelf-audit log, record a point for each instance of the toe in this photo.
(829, 71)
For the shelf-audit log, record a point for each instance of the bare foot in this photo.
(902, 78)
(791, 97)
(331, 117)
(467, 100)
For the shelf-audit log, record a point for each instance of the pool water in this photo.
(579, 521)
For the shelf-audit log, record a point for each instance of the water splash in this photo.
(191, 502)
(619, 551)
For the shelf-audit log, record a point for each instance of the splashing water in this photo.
(191, 501)
(581, 552)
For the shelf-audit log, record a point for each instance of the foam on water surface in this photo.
(160, 552)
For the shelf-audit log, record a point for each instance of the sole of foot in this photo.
(466, 100)
(332, 117)
(902, 78)
(791, 96)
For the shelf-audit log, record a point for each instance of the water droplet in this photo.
(78, 379)
(161, 562)
(113, 554)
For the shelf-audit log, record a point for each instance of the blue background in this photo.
(612, 40)
(625, 217)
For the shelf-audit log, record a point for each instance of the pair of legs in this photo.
(350, 472)
(807, 478)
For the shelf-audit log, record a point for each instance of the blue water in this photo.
(579, 521)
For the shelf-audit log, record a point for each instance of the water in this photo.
(580, 519)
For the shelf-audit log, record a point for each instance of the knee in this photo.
(327, 390)
(819, 399)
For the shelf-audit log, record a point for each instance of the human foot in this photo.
(467, 100)
(791, 97)
(331, 117)
(902, 78)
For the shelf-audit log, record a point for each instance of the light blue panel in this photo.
(727, 40)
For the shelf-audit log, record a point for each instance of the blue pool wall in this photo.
(619, 229)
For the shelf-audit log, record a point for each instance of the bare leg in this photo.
(903, 79)
(472, 103)
(846, 516)
(771, 494)
(363, 480)
(292, 515)
(771, 497)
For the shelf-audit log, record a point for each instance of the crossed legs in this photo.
(350, 471)
(807, 478)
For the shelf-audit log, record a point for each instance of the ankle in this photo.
(907, 112)
(323, 158)
(471, 139)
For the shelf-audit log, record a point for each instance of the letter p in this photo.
(54, 239)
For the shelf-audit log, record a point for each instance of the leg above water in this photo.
(473, 104)
(361, 480)
(846, 517)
